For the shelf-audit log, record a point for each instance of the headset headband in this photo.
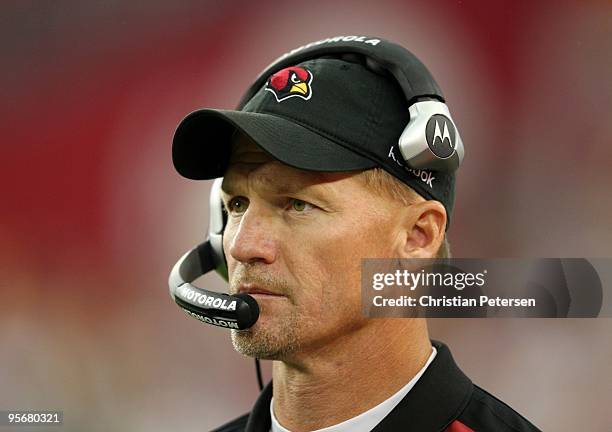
(410, 73)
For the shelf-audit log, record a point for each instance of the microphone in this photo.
(238, 311)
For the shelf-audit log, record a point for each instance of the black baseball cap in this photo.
(323, 114)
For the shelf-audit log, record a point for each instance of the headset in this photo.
(425, 101)
(238, 311)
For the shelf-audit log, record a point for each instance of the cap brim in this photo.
(202, 144)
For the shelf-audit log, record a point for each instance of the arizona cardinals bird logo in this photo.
(290, 82)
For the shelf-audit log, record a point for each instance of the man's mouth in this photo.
(254, 290)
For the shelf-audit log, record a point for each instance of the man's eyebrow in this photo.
(278, 188)
(293, 186)
(288, 189)
(227, 188)
(319, 192)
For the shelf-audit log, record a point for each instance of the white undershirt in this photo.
(367, 420)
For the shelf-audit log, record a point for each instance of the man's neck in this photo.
(350, 376)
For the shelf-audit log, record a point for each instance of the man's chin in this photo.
(263, 344)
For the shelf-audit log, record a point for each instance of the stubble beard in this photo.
(277, 336)
(275, 341)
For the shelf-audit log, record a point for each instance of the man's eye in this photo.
(237, 205)
(300, 206)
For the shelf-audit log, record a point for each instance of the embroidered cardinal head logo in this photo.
(290, 82)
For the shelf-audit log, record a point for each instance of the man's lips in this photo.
(255, 290)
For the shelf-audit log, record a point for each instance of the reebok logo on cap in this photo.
(290, 82)
(425, 176)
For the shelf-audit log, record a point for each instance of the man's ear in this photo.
(423, 226)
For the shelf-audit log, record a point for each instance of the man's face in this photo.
(299, 235)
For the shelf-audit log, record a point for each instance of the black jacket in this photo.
(442, 400)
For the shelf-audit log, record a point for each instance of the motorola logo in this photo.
(441, 136)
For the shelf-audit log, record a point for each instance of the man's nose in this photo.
(253, 240)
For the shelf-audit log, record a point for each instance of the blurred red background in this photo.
(94, 214)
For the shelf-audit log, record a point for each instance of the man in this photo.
(312, 184)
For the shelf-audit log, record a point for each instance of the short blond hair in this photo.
(383, 183)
